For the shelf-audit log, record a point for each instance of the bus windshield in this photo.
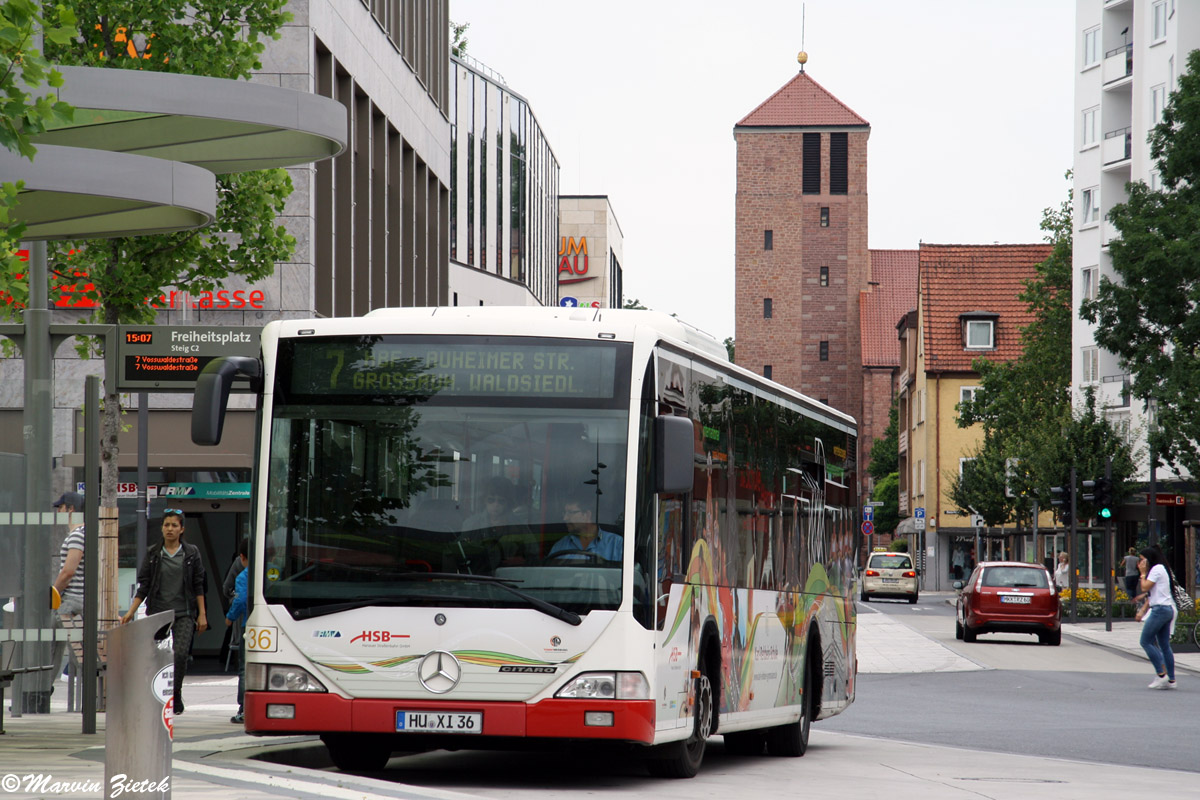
(400, 465)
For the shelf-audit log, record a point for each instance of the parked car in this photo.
(889, 575)
(1008, 597)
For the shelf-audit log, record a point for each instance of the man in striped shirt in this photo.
(69, 581)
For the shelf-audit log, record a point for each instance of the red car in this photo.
(1008, 597)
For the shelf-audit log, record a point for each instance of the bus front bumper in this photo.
(289, 713)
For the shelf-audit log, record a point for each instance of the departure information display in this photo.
(399, 366)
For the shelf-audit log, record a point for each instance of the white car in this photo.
(889, 575)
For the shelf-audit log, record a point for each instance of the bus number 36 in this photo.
(262, 640)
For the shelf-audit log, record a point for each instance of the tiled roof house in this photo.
(967, 307)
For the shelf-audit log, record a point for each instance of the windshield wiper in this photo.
(347, 605)
(569, 617)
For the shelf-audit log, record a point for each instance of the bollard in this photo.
(138, 732)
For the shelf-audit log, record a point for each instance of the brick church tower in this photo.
(801, 245)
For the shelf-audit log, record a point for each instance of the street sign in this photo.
(868, 513)
(976, 520)
(875, 503)
(868, 527)
(919, 518)
(1161, 499)
(167, 358)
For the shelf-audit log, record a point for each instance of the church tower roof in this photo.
(802, 103)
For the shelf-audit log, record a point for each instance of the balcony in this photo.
(1117, 147)
(1118, 64)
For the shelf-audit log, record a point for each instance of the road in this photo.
(1074, 701)
(1010, 701)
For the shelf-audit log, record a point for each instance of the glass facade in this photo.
(503, 184)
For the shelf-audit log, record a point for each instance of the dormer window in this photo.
(979, 330)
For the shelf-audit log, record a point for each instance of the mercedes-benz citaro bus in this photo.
(513, 527)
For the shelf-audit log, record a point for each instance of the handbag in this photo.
(1183, 600)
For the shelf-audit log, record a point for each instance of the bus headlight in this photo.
(281, 678)
(606, 686)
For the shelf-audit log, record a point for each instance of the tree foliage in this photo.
(885, 451)
(26, 111)
(1032, 434)
(458, 38)
(887, 491)
(1150, 316)
(213, 38)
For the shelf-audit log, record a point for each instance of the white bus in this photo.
(505, 527)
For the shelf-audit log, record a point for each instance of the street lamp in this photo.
(1151, 521)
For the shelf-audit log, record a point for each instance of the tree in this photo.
(215, 38)
(885, 451)
(458, 38)
(887, 491)
(1032, 434)
(729, 348)
(635, 304)
(23, 72)
(1149, 316)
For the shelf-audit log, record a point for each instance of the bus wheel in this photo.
(791, 740)
(682, 759)
(357, 752)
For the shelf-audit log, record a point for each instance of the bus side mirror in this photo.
(212, 394)
(674, 448)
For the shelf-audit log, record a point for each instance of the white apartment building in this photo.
(1129, 56)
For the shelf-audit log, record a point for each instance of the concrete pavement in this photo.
(47, 756)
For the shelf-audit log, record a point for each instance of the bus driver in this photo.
(584, 537)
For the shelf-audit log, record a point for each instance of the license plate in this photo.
(1016, 598)
(891, 580)
(439, 721)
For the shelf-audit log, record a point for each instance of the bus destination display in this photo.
(419, 368)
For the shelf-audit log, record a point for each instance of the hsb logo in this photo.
(378, 636)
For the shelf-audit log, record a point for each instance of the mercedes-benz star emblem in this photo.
(439, 672)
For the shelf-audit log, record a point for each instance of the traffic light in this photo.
(1103, 498)
(1100, 494)
(1060, 498)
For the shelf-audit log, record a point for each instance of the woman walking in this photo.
(1159, 623)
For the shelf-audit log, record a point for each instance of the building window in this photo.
(766, 308)
(980, 334)
(1089, 207)
(919, 478)
(1155, 180)
(839, 156)
(920, 406)
(824, 276)
(1089, 371)
(1160, 22)
(768, 240)
(767, 371)
(1089, 127)
(1091, 47)
(824, 216)
(1158, 101)
(823, 401)
(1091, 279)
(824, 351)
(966, 394)
(811, 164)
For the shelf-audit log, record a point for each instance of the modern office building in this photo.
(503, 225)
(1129, 55)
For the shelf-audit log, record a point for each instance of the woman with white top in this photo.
(1159, 622)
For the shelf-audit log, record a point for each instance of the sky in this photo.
(970, 105)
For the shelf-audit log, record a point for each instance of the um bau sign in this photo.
(571, 269)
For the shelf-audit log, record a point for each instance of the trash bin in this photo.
(138, 727)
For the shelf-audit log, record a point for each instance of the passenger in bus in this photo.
(509, 542)
(585, 540)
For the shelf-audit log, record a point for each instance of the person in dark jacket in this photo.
(172, 578)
